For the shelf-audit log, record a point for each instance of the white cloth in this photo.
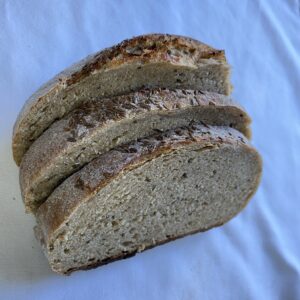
(254, 256)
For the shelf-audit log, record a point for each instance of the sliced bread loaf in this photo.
(146, 193)
(99, 126)
(154, 60)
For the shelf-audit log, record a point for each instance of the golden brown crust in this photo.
(81, 186)
(142, 49)
(147, 47)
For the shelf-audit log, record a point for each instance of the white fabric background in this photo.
(254, 256)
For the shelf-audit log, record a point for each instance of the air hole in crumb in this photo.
(214, 172)
(134, 121)
(127, 243)
(91, 259)
(51, 247)
(178, 80)
(116, 139)
(87, 242)
(147, 179)
(66, 250)
(56, 261)
(190, 160)
(184, 175)
(205, 203)
(231, 125)
(114, 223)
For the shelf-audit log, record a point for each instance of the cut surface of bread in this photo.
(151, 61)
(99, 126)
(146, 193)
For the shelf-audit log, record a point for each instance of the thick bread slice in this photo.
(99, 126)
(146, 193)
(154, 60)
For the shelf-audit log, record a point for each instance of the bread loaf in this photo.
(154, 60)
(146, 193)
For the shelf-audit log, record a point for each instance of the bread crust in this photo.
(152, 48)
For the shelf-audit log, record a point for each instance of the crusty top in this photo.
(46, 152)
(142, 49)
(84, 184)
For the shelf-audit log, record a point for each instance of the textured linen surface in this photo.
(254, 256)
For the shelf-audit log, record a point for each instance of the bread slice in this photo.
(146, 193)
(154, 60)
(99, 126)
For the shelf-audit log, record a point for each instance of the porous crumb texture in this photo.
(146, 193)
(151, 61)
(98, 126)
